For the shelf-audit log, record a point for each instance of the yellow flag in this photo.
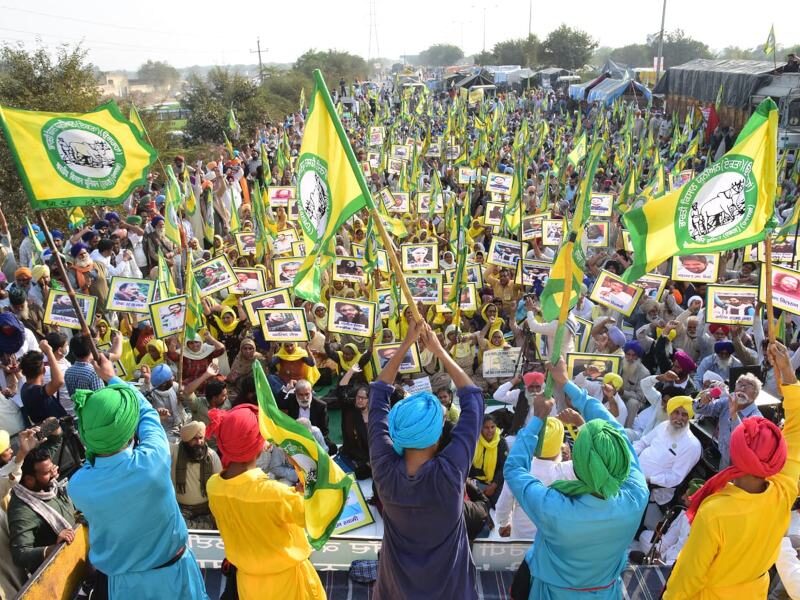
(71, 159)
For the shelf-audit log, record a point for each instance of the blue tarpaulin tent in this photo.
(610, 89)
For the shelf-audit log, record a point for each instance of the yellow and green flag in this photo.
(769, 45)
(133, 117)
(728, 205)
(76, 217)
(194, 306)
(71, 159)
(166, 285)
(172, 205)
(326, 485)
(330, 186)
(578, 152)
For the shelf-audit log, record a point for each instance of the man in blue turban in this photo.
(720, 362)
(425, 551)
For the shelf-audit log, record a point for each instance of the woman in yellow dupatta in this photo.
(294, 363)
(104, 334)
(489, 458)
(155, 355)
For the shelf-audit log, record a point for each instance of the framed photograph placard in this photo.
(612, 292)
(284, 324)
(130, 295)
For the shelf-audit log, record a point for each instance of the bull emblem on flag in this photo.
(97, 154)
(719, 211)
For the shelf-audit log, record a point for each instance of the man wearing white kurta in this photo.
(669, 451)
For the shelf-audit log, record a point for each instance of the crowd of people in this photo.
(594, 436)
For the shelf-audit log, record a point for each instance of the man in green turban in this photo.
(584, 526)
(137, 536)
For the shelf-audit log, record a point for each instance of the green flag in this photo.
(769, 45)
(330, 186)
(578, 152)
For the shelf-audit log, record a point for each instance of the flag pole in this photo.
(67, 285)
(768, 292)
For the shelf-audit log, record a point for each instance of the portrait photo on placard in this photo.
(168, 316)
(298, 248)
(351, 317)
(376, 135)
(600, 205)
(451, 153)
(383, 353)
(285, 269)
(395, 165)
(130, 295)
(532, 273)
(424, 288)
(467, 175)
(597, 364)
(282, 242)
(595, 234)
(245, 243)
(401, 151)
(419, 257)
(59, 310)
(731, 305)
(784, 250)
(504, 252)
(494, 213)
(248, 281)
(699, 268)
(284, 324)
(499, 182)
(386, 305)
(400, 203)
(610, 291)
(531, 227)
(279, 195)
(552, 232)
(434, 150)
(424, 200)
(271, 299)
(474, 274)
(583, 334)
(349, 268)
(213, 275)
(785, 289)
(653, 285)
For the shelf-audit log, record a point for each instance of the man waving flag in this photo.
(730, 204)
(330, 187)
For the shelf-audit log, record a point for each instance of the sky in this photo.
(123, 35)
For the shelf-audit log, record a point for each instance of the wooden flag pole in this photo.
(398, 270)
(67, 285)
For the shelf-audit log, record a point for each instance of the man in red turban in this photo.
(740, 515)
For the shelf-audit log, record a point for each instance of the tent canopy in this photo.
(702, 78)
(609, 90)
(480, 78)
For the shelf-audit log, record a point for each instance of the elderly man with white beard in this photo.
(730, 410)
(669, 451)
(721, 362)
(687, 339)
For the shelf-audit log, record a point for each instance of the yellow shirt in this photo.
(735, 536)
(261, 522)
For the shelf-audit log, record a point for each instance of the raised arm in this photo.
(787, 478)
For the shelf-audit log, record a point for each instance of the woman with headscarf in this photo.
(128, 464)
(294, 363)
(607, 500)
(261, 521)
(740, 515)
(155, 355)
(228, 327)
(243, 363)
(319, 313)
(489, 459)
(348, 356)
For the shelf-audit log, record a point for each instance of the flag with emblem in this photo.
(326, 486)
(330, 185)
(769, 45)
(728, 205)
(76, 217)
(71, 159)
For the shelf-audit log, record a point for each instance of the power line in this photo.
(77, 20)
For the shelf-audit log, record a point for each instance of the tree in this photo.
(334, 65)
(568, 48)
(210, 99)
(522, 51)
(160, 74)
(440, 55)
(61, 82)
(282, 92)
(678, 49)
(636, 55)
(484, 58)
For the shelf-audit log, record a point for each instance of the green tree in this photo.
(484, 58)
(334, 65)
(60, 82)
(282, 92)
(522, 51)
(568, 48)
(635, 55)
(440, 55)
(679, 48)
(159, 73)
(209, 100)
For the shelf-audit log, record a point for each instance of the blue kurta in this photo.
(425, 553)
(582, 541)
(134, 521)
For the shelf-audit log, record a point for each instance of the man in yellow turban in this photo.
(669, 451)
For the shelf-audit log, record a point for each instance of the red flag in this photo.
(712, 123)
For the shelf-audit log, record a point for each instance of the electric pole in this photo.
(530, 16)
(260, 64)
(660, 57)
